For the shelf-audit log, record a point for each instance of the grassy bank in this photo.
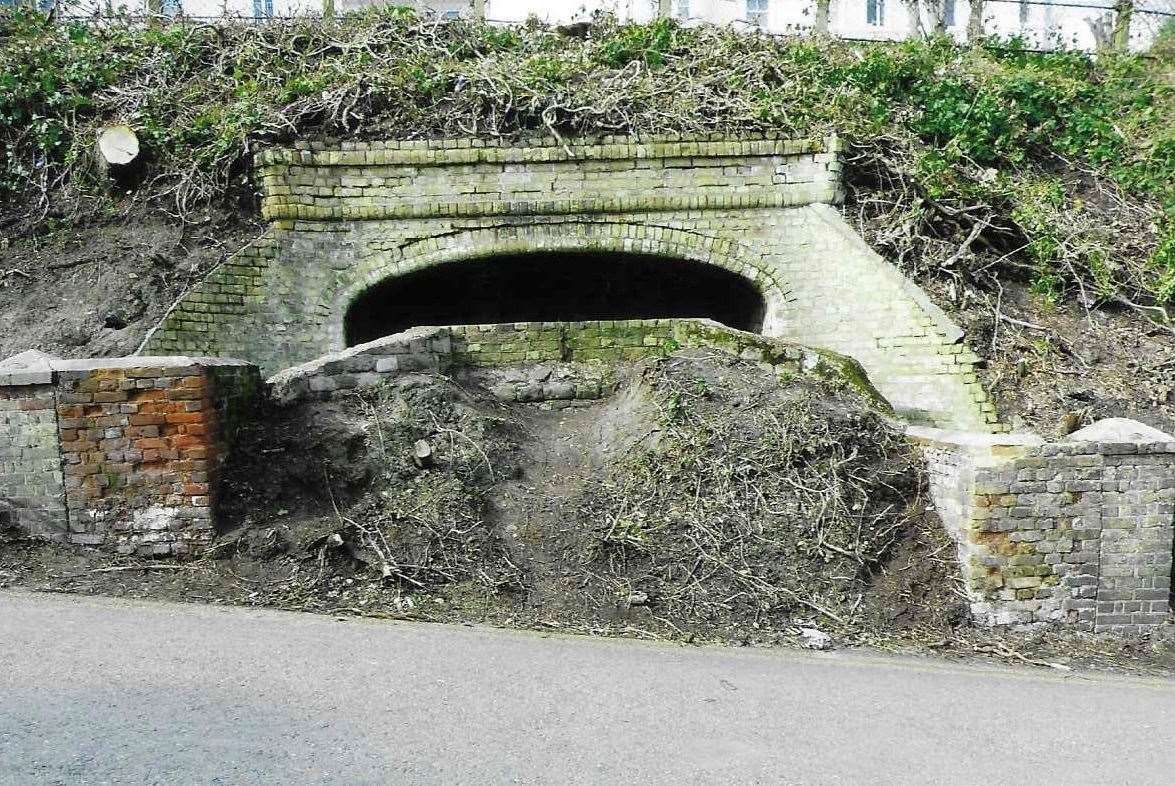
(976, 164)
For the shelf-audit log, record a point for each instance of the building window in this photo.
(681, 9)
(875, 12)
(170, 8)
(262, 9)
(450, 15)
(948, 13)
(757, 12)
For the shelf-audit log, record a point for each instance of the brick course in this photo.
(347, 215)
(134, 445)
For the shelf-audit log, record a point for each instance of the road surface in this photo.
(98, 691)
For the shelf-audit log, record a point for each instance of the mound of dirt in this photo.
(703, 499)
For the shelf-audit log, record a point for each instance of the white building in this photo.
(1042, 23)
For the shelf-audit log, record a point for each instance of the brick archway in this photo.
(347, 215)
(452, 249)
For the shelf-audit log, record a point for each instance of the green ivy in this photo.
(647, 43)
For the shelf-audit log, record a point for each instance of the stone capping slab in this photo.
(37, 368)
(1120, 430)
(975, 442)
(543, 149)
(25, 369)
(145, 361)
(30, 367)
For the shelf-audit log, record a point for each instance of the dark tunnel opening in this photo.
(555, 287)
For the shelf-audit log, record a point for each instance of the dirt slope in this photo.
(96, 290)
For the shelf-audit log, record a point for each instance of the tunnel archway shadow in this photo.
(552, 287)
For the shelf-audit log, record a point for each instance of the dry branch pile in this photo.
(975, 164)
(338, 493)
(704, 499)
(756, 504)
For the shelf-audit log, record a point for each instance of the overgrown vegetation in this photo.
(704, 499)
(973, 163)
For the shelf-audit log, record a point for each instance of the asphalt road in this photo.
(113, 692)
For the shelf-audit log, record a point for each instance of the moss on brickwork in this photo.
(595, 342)
(1078, 532)
(310, 272)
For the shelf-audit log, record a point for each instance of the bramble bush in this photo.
(970, 162)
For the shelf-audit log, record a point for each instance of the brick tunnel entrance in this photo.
(555, 287)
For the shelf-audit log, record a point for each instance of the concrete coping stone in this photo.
(30, 359)
(145, 361)
(972, 440)
(30, 367)
(1120, 430)
(1112, 436)
(38, 368)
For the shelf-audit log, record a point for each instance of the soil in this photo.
(1054, 368)
(96, 290)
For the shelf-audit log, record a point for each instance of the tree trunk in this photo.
(1123, 12)
(479, 9)
(116, 152)
(915, 19)
(975, 21)
(664, 9)
(823, 15)
(937, 9)
(422, 454)
(328, 9)
(1102, 29)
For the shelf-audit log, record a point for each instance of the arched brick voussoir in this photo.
(347, 216)
(453, 248)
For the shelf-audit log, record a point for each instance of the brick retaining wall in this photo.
(1078, 532)
(123, 453)
(445, 348)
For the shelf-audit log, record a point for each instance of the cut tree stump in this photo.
(422, 454)
(118, 148)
